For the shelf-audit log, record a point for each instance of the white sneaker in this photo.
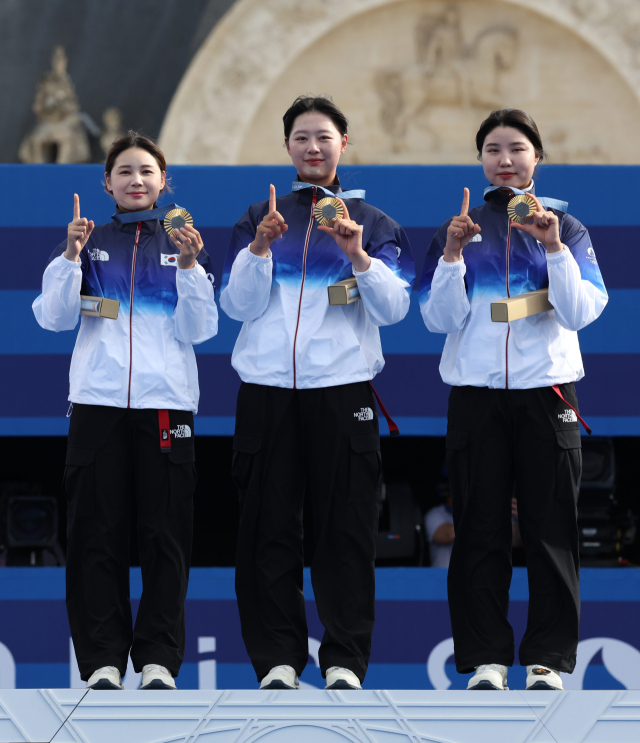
(342, 678)
(280, 677)
(543, 677)
(105, 678)
(156, 677)
(489, 677)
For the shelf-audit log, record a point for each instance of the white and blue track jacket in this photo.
(145, 358)
(500, 262)
(291, 336)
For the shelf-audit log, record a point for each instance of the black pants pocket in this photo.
(457, 458)
(365, 468)
(79, 480)
(246, 449)
(569, 461)
(182, 477)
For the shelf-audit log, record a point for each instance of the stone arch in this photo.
(238, 68)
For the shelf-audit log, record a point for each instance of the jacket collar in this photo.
(335, 189)
(150, 218)
(498, 197)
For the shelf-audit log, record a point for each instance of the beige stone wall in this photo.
(415, 78)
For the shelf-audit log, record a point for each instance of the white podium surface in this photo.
(238, 716)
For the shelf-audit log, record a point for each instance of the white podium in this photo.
(237, 716)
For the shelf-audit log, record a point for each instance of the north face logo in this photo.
(181, 432)
(568, 416)
(365, 414)
(98, 255)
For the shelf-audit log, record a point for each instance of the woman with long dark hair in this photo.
(513, 418)
(306, 416)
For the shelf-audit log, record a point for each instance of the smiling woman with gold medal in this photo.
(306, 416)
(513, 412)
(143, 286)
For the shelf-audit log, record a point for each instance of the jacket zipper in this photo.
(304, 273)
(508, 295)
(133, 276)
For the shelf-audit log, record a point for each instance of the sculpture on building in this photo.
(112, 120)
(447, 72)
(60, 135)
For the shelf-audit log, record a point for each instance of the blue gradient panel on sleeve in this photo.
(34, 363)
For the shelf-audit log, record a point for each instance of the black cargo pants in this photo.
(114, 456)
(326, 440)
(498, 439)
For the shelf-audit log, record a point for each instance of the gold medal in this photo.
(521, 208)
(176, 219)
(327, 210)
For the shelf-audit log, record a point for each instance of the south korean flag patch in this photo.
(169, 259)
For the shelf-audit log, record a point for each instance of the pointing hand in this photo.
(460, 232)
(271, 228)
(78, 232)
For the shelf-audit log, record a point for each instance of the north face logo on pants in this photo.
(181, 432)
(365, 414)
(568, 416)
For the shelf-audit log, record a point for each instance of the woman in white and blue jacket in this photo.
(306, 416)
(513, 418)
(134, 391)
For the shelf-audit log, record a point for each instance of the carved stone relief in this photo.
(415, 77)
(446, 70)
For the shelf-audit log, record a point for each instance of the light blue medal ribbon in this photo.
(144, 216)
(356, 193)
(561, 206)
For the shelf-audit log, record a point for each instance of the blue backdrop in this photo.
(37, 202)
(412, 644)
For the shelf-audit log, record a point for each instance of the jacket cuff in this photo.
(258, 258)
(560, 256)
(188, 271)
(451, 267)
(363, 273)
(77, 263)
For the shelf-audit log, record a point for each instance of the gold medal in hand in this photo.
(176, 219)
(327, 210)
(521, 209)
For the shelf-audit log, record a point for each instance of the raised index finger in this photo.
(272, 198)
(465, 203)
(346, 211)
(76, 207)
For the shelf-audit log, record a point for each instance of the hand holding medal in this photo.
(460, 232)
(346, 233)
(544, 227)
(178, 223)
(271, 228)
